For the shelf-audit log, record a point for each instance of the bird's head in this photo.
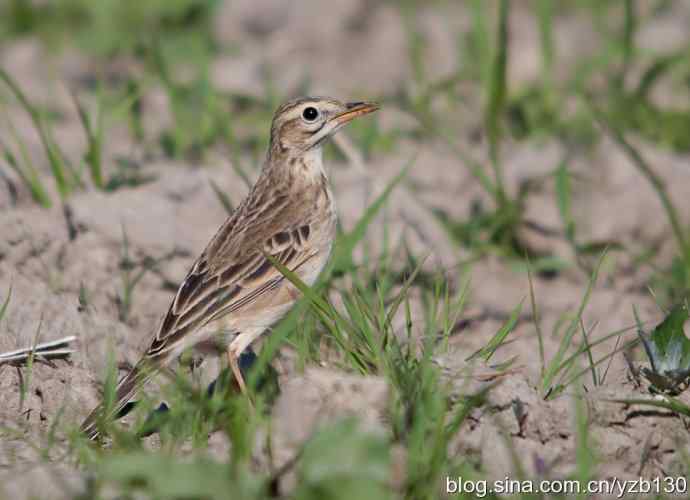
(305, 123)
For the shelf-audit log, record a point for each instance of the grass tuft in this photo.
(65, 176)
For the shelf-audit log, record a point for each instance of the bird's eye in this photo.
(310, 114)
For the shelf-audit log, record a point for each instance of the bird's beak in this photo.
(354, 109)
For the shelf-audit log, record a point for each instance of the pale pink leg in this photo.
(235, 367)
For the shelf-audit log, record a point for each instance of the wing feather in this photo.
(206, 296)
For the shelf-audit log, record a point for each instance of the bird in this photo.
(234, 292)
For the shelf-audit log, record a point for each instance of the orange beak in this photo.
(354, 109)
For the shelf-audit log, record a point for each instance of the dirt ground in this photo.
(49, 259)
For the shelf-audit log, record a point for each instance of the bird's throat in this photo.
(312, 163)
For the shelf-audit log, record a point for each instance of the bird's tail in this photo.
(124, 392)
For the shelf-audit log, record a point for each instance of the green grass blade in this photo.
(58, 167)
(497, 92)
(28, 175)
(588, 350)
(628, 39)
(56, 160)
(490, 348)
(329, 316)
(342, 258)
(545, 16)
(594, 343)
(399, 299)
(667, 402)
(556, 364)
(628, 345)
(585, 458)
(94, 139)
(536, 319)
(473, 166)
(222, 197)
(563, 191)
(480, 38)
(648, 172)
(655, 71)
(5, 304)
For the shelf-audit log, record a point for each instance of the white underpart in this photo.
(313, 163)
(314, 168)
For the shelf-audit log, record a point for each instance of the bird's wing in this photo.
(232, 278)
(207, 293)
(232, 273)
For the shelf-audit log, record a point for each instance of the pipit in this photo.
(234, 292)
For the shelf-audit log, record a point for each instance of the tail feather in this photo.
(125, 391)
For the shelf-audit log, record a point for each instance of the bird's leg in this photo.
(235, 367)
(233, 359)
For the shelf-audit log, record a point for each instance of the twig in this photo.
(46, 350)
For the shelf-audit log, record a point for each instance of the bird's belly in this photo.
(267, 310)
(313, 267)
